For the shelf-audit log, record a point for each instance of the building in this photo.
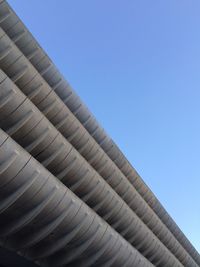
(68, 195)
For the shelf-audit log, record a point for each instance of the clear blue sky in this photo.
(136, 64)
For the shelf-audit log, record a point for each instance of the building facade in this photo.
(68, 195)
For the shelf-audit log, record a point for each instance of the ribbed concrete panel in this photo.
(44, 221)
(34, 132)
(19, 34)
(23, 74)
(10, 258)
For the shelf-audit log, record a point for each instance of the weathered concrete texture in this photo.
(47, 223)
(30, 48)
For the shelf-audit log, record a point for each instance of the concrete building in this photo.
(68, 195)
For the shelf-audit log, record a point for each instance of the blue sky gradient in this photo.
(136, 64)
